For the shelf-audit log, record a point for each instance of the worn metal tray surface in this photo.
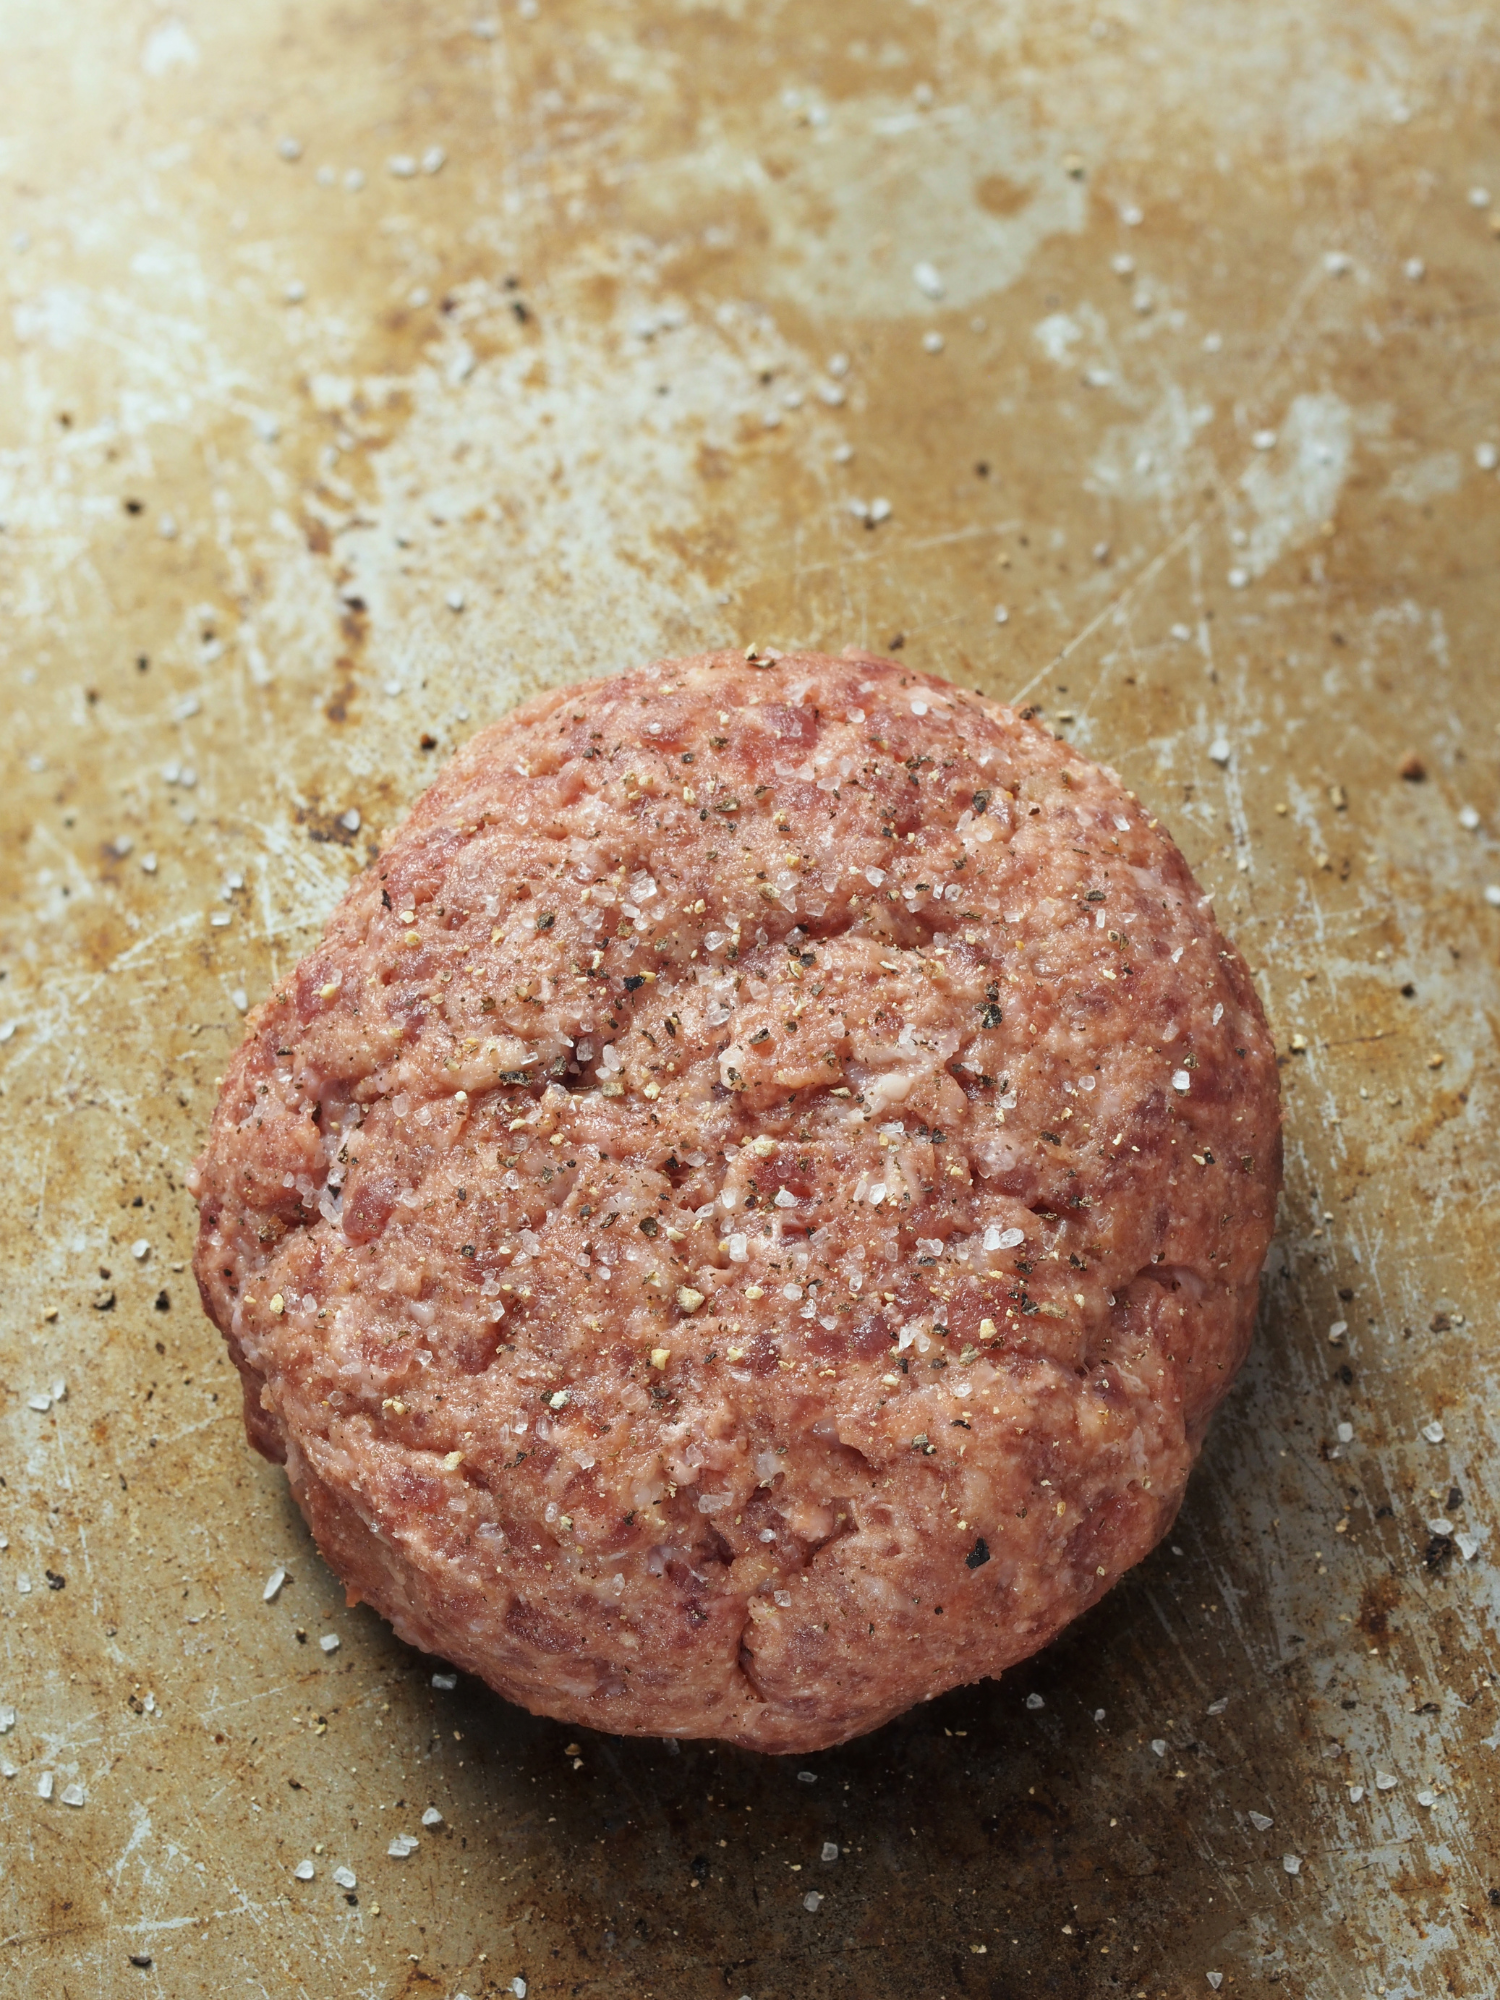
(366, 368)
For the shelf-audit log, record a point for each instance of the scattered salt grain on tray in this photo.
(402, 1845)
(273, 1584)
(345, 1877)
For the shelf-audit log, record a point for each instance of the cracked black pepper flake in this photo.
(979, 1555)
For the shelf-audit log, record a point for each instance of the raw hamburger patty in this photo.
(741, 1223)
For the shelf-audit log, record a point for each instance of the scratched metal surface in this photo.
(306, 464)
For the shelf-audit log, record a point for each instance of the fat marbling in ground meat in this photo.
(741, 1223)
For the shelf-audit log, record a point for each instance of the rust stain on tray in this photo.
(360, 380)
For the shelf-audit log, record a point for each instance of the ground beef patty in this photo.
(741, 1223)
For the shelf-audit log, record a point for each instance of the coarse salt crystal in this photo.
(40, 1403)
(445, 1680)
(1468, 1545)
(1215, 1979)
(1237, 579)
(1263, 440)
(1159, 1746)
(1424, 1798)
(830, 1850)
(807, 1777)
(1181, 1081)
(926, 280)
(1346, 1433)
(73, 1795)
(304, 1871)
(1386, 1781)
(1356, 1793)
(812, 1901)
(1486, 456)
(329, 1642)
(1434, 1432)
(402, 1845)
(1262, 1822)
(1492, 895)
(432, 1817)
(1292, 1864)
(1337, 1331)
(345, 1877)
(7, 1720)
(1036, 1701)
(932, 342)
(140, 1248)
(44, 1785)
(1219, 750)
(402, 166)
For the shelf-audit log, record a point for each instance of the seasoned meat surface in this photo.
(741, 1223)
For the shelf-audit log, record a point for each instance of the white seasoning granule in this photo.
(1002, 615)
(329, 1642)
(927, 281)
(346, 1878)
(932, 342)
(1434, 1432)
(1337, 1331)
(1486, 456)
(1181, 1081)
(812, 1902)
(73, 1795)
(434, 160)
(1215, 1979)
(304, 1871)
(445, 1680)
(140, 1249)
(1263, 440)
(273, 1584)
(1159, 1746)
(830, 1850)
(1492, 895)
(432, 1817)
(402, 166)
(1292, 1864)
(44, 1785)
(1386, 1781)
(1035, 1701)
(1356, 1793)
(1237, 580)
(402, 1845)
(1424, 1798)
(1219, 750)
(1262, 1822)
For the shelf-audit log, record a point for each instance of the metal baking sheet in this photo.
(366, 368)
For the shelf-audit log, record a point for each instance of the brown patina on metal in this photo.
(362, 376)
